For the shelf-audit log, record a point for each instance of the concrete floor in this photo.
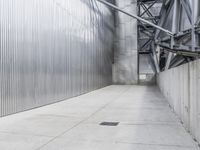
(145, 123)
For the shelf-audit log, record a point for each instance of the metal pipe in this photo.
(136, 17)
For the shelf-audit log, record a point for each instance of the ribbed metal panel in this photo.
(51, 50)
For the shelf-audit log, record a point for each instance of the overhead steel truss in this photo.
(168, 30)
(149, 10)
(136, 17)
(182, 18)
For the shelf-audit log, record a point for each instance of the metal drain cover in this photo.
(109, 123)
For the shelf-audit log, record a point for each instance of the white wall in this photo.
(181, 87)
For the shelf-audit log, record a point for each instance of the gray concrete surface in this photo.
(145, 123)
(125, 67)
(181, 86)
(147, 71)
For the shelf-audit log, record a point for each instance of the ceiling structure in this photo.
(168, 31)
(182, 18)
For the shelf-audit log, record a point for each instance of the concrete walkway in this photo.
(145, 123)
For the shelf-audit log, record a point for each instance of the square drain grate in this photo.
(109, 123)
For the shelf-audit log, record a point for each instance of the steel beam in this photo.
(149, 7)
(187, 9)
(136, 17)
(175, 29)
(165, 12)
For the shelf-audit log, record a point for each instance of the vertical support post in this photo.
(169, 58)
(193, 3)
(196, 10)
(154, 50)
(175, 29)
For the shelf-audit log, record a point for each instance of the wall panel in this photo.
(51, 50)
(181, 87)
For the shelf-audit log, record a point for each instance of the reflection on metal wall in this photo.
(51, 50)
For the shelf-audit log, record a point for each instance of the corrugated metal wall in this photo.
(51, 50)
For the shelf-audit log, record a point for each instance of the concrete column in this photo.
(125, 67)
